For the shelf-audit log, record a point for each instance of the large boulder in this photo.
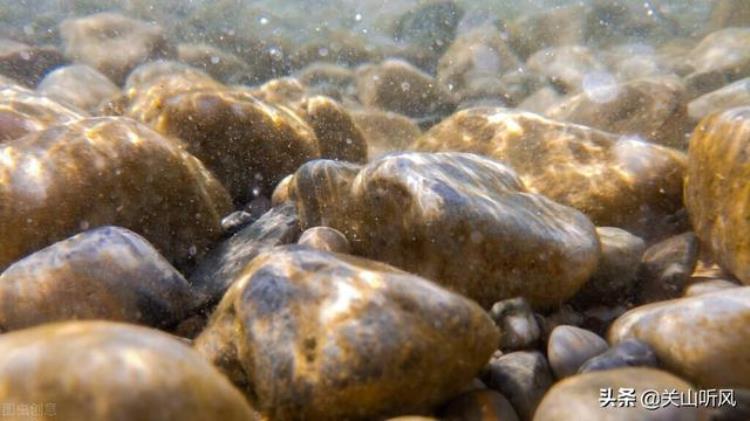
(106, 171)
(619, 182)
(315, 335)
(449, 217)
(102, 371)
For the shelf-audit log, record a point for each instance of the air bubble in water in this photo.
(358, 17)
(600, 87)
(215, 59)
(264, 21)
(323, 52)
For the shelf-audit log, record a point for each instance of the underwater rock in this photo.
(328, 79)
(145, 75)
(216, 272)
(314, 335)
(517, 323)
(342, 47)
(106, 171)
(541, 100)
(719, 59)
(628, 353)
(523, 377)
(395, 85)
(703, 338)
(79, 85)
(709, 286)
(566, 67)
(478, 405)
(445, 215)
(337, 134)
(112, 43)
(666, 268)
(728, 13)
(618, 182)
(430, 27)
(578, 398)
(101, 371)
(107, 273)
(22, 112)
(551, 27)
(654, 109)
(248, 144)
(736, 94)
(620, 21)
(479, 54)
(326, 239)
(221, 65)
(569, 347)
(385, 131)
(27, 64)
(616, 273)
(715, 193)
(281, 192)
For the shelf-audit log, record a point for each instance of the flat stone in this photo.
(98, 371)
(314, 335)
(418, 211)
(703, 338)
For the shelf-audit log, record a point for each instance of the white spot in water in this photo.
(193, 250)
(323, 52)
(600, 87)
(25, 55)
(215, 59)
(358, 17)
(264, 21)
(405, 86)
(84, 225)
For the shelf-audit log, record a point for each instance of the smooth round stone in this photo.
(92, 172)
(666, 268)
(735, 94)
(518, 325)
(479, 405)
(703, 338)
(439, 214)
(718, 211)
(577, 398)
(102, 371)
(309, 334)
(709, 286)
(616, 273)
(79, 85)
(523, 377)
(281, 191)
(628, 353)
(617, 181)
(113, 43)
(23, 111)
(569, 347)
(326, 239)
(107, 273)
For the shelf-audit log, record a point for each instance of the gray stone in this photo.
(518, 326)
(523, 377)
(569, 347)
(628, 353)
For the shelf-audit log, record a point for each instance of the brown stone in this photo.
(653, 109)
(578, 397)
(481, 53)
(106, 171)
(105, 371)
(703, 338)
(27, 64)
(23, 112)
(479, 405)
(736, 94)
(551, 27)
(720, 58)
(385, 131)
(666, 268)
(565, 66)
(326, 239)
(221, 65)
(715, 193)
(79, 85)
(107, 273)
(350, 338)
(395, 85)
(112, 43)
(621, 182)
(444, 215)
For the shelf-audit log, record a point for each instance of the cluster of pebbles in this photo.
(459, 216)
